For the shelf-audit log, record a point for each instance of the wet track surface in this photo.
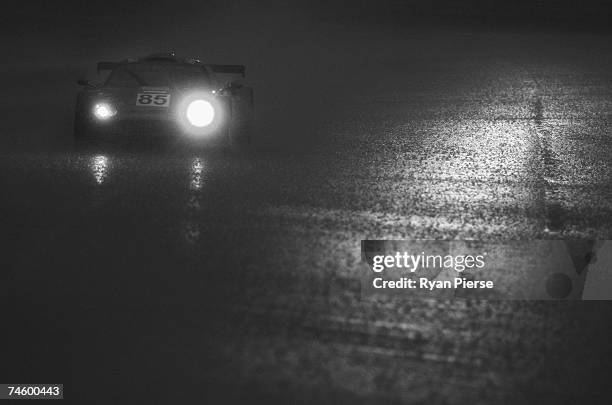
(237, 275)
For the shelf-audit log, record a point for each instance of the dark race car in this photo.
(163, 97)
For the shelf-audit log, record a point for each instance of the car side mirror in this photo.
(234, 87)
(83, 82)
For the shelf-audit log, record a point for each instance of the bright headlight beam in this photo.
(200, 113)
(104, 111)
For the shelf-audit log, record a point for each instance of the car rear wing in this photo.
(222, 69)
(228, 69)
(106, 66)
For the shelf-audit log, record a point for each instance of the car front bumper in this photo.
(135, 128)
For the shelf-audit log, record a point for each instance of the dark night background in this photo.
(209, 277)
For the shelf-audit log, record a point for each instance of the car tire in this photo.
(82, 126)
(85, 137)
(241, 128)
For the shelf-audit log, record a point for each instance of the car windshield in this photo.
(149, 74)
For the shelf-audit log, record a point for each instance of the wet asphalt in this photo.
(222, 276)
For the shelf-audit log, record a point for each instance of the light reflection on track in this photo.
(99, 168)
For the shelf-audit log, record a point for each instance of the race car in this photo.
(164, 97)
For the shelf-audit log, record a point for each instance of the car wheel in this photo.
(241, 128)
(82, 127)
(84, 135)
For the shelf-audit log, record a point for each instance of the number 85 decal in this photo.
(153, 99)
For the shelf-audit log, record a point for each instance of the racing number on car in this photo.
(153, 99)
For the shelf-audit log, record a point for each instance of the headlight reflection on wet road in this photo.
(197, 167)
(99, 168)
(191, 229)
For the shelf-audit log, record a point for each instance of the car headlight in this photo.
(104, 111)
(200, 113)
